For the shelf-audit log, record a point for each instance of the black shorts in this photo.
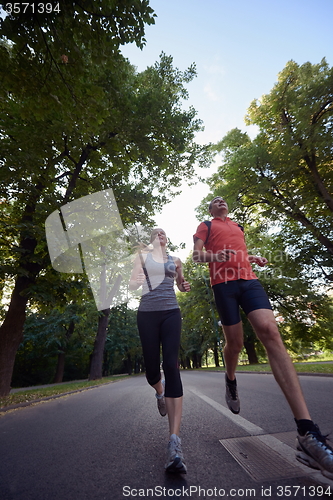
(247, 294)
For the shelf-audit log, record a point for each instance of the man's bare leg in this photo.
(265, 326)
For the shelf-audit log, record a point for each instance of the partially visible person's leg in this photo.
(148, 326)
(170, 337)
(227, 302)
(175, 411)
(264, 324)
(226, 297)
(312, 447)
(149, 331)
(233, 335)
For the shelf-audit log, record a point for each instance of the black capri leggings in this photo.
(161, 327)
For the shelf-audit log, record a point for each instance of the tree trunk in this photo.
(196, 360)
(59, 375)
(188, 362)
(11, 333)
(216, 356)
(251, 352)
(11, 330)
(129, 364)
(96, 364)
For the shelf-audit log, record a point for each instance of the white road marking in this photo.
(272, 442)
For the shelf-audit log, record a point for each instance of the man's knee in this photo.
(269, 335)
(234, 345)
(234, 337)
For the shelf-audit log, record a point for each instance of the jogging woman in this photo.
(159, 323)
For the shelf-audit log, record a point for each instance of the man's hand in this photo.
(260, 261)
(224, 255)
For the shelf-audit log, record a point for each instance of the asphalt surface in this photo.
(110, 442)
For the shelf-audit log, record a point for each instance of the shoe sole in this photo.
(177, 466)
(235, 412)
(313, 464)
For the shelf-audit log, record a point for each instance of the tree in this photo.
(56, 345)
(77, 118)
(284, 175)
(123, 347)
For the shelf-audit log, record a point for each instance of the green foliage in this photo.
(46, 335)
(304, 311)
(123, 351)
(284, 176)
(77, 118)
(279, 187)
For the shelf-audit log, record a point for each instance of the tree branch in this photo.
(322, 111)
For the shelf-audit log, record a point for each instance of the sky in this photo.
(239, 47)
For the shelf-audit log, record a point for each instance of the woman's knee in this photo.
(170, 367)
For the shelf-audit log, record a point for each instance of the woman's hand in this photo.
(140, 279)
(186, 286)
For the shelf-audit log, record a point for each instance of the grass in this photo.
(303, 367)
(27, 395)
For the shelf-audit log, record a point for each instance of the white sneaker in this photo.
(175, 460)
(314, 452)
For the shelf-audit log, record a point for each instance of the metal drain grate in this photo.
(259, 460)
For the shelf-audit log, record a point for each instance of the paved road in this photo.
(109, 443)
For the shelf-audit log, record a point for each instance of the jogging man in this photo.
(221, 243)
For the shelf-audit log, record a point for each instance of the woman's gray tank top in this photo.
(162, 297)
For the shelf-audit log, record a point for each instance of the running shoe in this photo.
(175, 460)
(161, 402)
(314, 452)
(231, 396)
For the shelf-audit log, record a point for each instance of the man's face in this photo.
(218, 207)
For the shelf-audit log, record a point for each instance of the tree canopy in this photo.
(279, 186)
(77, 118)
(284, 176)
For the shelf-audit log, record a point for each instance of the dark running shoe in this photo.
(175, 460)
(231, 396)
(313, 451)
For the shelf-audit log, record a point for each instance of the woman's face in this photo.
(158, 236)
